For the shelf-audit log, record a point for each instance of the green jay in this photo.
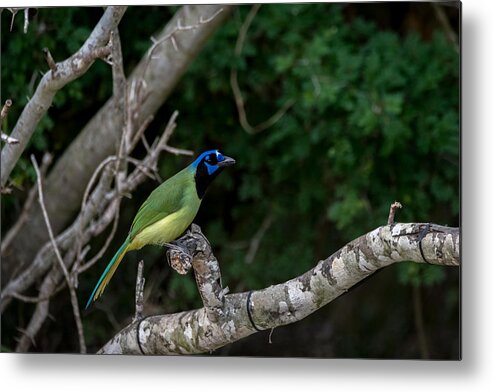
(168, 210)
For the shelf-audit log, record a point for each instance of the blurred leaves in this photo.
(375, 119)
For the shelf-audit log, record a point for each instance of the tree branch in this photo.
(101, 134)
(59, 75)
(139, 292)
(3, 114)
(61, 264)
(225, 318)
(99, 211)
(23, 217)
(238, 96)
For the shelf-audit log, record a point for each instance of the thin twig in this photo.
(26, 19)
(68, 70)
(91, 262)
(449, 32)
(179, 27)
(139, 292)
(11, 234)
(100, 167)
(120, 94)
(177, 151)
(14, 12)
(238, 96)
(5, 109)
(101, 207)
(240, 42)
(393, 208)
(257, 238)
(29, 299)
(3, 114)
(140, 131)
(49, 60)
(73, 295)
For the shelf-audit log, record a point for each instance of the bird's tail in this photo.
(108, 272)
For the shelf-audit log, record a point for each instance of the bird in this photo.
(168, 210)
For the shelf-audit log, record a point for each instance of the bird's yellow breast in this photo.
(170, 227)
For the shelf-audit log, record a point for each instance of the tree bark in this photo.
(60, 74)
(227, 318)
(190, 28)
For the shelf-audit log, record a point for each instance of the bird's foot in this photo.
(178, 259)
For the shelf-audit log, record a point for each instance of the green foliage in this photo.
(420, 274)
(375, 120)
(63, 31)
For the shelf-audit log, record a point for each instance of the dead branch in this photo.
(45, 163)
(179, 28)
(49, 60)
(98, 212)
(257, 238)
(121, 121)
(139, 292)
(3, 114)
(66, 71)
(238, 96)
(228, 318)
(393, 208)
(26, 17)
(148, 90)
(73, 295)
(5, 109)
(447, 28)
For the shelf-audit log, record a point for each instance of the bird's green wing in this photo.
(166, 199)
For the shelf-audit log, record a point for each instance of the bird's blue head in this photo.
(207, 166)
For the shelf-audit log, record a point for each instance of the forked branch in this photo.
(227, 318)
(59, 75)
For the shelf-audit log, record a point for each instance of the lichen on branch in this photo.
(227, 318)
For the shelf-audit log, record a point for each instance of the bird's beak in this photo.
(227, 162)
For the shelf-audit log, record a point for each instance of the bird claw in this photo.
(178, 259)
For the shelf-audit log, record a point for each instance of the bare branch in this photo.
(95, 258)
(3, 114)
(5, 109)
(257, 238)
(75, 167)
(49, 60)
(393, 208)
(178, 28)
(26, 19)
(238, 96)
(73, 295)
(225, 319)
(14, 12)
(177, 151)
(7, 240)
(68, 70)
(100, 210)
(443, 20)
(139, 292)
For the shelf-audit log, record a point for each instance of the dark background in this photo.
(375, 119)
